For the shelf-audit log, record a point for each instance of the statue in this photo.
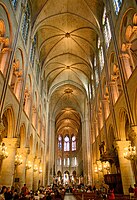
(101, 148)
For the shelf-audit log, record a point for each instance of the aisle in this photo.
(69, 196)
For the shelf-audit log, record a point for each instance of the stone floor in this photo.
(69, 196)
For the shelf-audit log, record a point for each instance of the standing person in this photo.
(24, 190)
(2, 194)
(135, 191)
(111, 195)
(131, 192)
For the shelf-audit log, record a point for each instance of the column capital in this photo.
(124, 55)
(112, 82)
(132, 132)
(120, 145)
(31, 157)
(6, 49)
(2, 127)
(11, 142)
(23, 151)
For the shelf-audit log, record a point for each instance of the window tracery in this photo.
(26, 24)
(117, 5)
(73, 143)
(59, 142)
(14, 3)
(106, 28)
(66, 144)
(33, 50)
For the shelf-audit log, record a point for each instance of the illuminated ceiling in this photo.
(67, 33)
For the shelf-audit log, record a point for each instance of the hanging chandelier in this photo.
(130, 152)
(3, 151)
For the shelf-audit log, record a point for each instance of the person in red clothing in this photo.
(135, 191)
(111, 194)
(24, 190)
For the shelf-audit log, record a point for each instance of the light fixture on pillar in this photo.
(3, 151)
(18, 160)
(130, 152)
(100, 168)
(35, 169)
(106, 165)
(96, 169)
(28, 165)
(40, 170)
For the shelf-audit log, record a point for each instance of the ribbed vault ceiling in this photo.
(67, 32)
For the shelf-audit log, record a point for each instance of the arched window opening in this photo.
(68, 161)
(66, 144)
(106, 28)
(59, 142)
(73, 143)
(26, 24)
(117, 5)
(59, 162)
(14, 3)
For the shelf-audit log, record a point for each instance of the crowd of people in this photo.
(48, 193)
(57, 192)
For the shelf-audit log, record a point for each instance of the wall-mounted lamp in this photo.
(28, 165)
(3, 151)
(18, 159)
(40, 170)
(35, 169)
(130, 152)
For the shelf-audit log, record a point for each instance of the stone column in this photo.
(128, 46)
(8, 165)
(106, 107)
(100, 119)
(115, 92)
(4, 52)
(20, 169)
(29, 172)
(125, 166)
(18, 87)
(36, 174)
(34, 116)
(126, 64)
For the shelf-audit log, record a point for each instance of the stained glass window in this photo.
(73, 143)
(66, 144)
(14, 3)
(26, 24)
(32, 51)
(106, 28)
(59, 142)
(117, 5)
(68, 161)
(75, 161)
(59, 161)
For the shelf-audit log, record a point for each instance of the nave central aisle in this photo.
(69, 197)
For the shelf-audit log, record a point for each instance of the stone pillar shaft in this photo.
(20, 169)
(125, 166)
(29, 172)
(8, 166)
